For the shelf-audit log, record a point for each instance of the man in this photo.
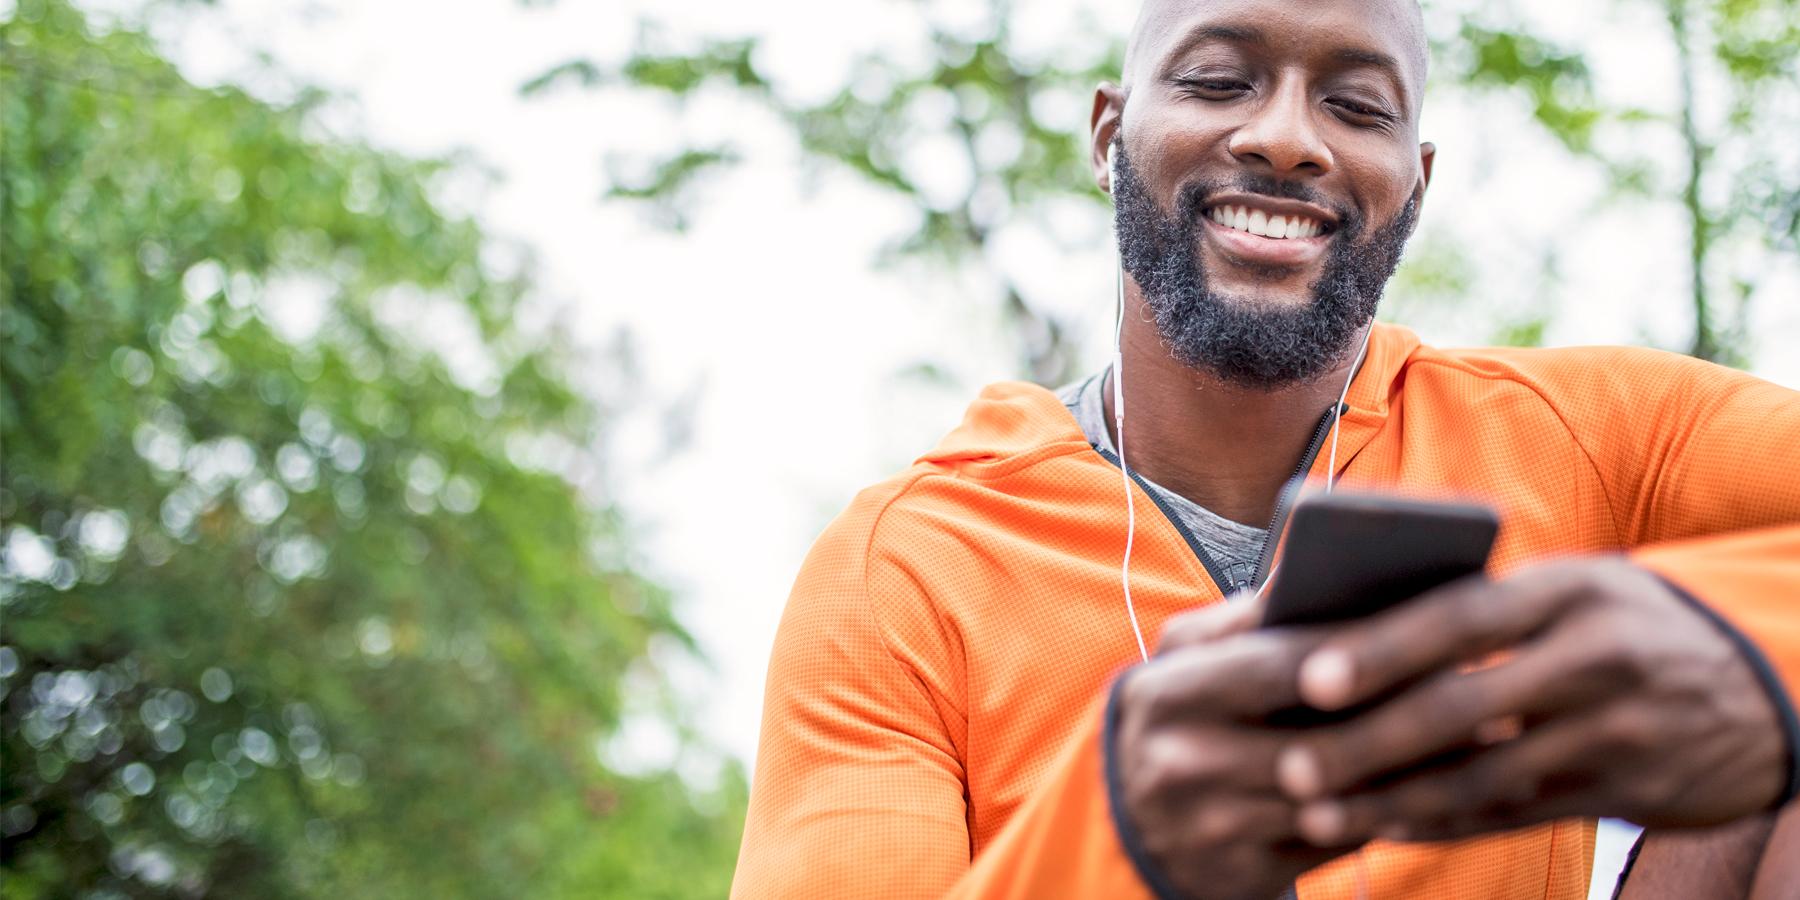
(953, 706)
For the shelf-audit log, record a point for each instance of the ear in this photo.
(1427, 153)
(1103, 124)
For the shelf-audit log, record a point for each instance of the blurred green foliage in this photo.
(307, 581)
(1735, 177)
(1004, 106)
(982, 95)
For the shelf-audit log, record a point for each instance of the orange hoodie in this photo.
(934, 714)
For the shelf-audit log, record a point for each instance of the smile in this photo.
(1266, 224)
(1268, 233)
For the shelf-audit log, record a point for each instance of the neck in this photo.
(1226, 447)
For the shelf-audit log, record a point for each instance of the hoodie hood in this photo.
(1016, 418)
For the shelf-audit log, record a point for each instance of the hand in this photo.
(1617, 699)
(1197, 764)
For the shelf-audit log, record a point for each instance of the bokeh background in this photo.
(414, 412)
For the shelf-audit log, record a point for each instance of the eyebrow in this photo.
(1236, 34)
(1361, 57)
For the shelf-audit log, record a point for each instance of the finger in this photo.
(1235, 615)
(1240, 818)
(1202, 759)
(1543, 775)
(1245, 676)
(1246, 835)
(1447, 711)
(1440, 628)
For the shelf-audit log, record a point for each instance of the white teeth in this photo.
(1257, 222)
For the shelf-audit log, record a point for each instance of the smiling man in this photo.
(956, 704)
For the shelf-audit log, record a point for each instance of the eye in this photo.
(1212, 87)
(1362, 113)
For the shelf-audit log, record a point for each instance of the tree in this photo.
(1735, 176)
(309, 586)
(979, 94)
(982, 91)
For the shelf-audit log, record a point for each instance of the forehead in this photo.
(1323, 29)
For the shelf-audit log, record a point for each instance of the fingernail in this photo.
(1325, 679)
(1297, 771)
(1322, 823)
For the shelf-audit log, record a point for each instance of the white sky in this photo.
(769, 306)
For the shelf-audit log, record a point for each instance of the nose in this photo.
(1280, 134)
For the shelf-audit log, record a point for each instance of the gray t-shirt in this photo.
(1234, 547)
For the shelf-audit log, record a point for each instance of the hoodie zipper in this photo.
(1266, 551)
(1290, 491)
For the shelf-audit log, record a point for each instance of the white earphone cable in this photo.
(1337, 412)
(1118, 379)
(1118, 376)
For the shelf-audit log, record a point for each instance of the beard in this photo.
(1241, 340)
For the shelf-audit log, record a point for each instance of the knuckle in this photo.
(1470, 615)
(1155, 700)
(1203, 763)
(1133, 695)
(1180, 761)
(1612, 662)
(1215, 824)
(1330, 751)
(1141, 685)
(1152, 696)
(1160, 757)
(1631, 733)
(1605, 583)
(1453, 697)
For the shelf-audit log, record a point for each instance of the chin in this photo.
(1263, 297)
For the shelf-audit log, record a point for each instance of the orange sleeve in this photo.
(1683, 448)
(859, 789)
(1705, 487)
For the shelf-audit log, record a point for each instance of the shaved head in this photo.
(1160, 23)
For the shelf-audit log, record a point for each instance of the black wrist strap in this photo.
(1765, 676)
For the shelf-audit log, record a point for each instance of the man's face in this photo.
(1269, 172)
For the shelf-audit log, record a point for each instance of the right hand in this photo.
(1197, 761)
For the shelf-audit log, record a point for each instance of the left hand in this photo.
(1616, 698)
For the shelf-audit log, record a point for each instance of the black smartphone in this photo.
(1350, 555)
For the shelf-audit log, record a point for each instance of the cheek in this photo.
(1383, 184)
(1169, 144)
